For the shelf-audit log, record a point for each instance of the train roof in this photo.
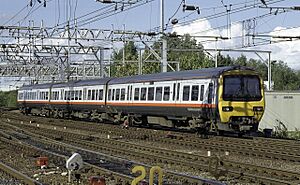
(100, 81)
(204, 73)
(77, 83)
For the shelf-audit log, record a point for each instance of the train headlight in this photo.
(258, 109)
(227, 109)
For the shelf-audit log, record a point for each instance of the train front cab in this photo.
(241, 101)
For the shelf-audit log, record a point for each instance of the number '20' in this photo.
(153, 170)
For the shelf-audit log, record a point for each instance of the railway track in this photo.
(268, 149)
(115, 164)
(10, 175)
(198, 162)
(17, 142)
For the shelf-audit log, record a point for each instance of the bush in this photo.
(8, 99)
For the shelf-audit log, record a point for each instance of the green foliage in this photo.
(284, 77)
(8, 99)
(294, 134)
(130, 52)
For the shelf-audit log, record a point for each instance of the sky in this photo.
(217, 18)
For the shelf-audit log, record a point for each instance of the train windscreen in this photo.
(242, 88)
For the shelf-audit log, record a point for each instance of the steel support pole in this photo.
(164, 62)
(140, 66)
(269, 73)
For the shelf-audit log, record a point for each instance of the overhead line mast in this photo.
(164, 61)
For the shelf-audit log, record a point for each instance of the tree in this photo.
(118, 68)
(284, 77)
(178, 50)
(8, 99)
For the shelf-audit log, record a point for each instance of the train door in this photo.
(210, 93)
(176, 92)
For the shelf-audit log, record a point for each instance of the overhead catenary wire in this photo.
(236, 9)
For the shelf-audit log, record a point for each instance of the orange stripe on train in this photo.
(124, 104)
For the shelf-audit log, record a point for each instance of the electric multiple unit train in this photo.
(210, 99)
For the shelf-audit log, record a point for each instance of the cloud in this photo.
(289, 52)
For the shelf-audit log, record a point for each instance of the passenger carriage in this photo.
(218, 99)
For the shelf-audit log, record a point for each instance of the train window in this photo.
(186, 93)
(72, 95)
(166, 93)
(123, 94)
(210, 93)
(100, 94)
(113, 94)
(130, 94)
(174, 89)
(68, 95)
(178, 90)
(89, 94)
(80, 95)
(62, 94)
(46, 96)
(158, 94)
(53, 95)
(84, 94)
(76, 95)
(195, 93)
(109, 94)
(97, 94)
(136, 93)
(128, 88)
(117, 94)
(93, 94)
(143, 93)
(150, 93)
(202, 93)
